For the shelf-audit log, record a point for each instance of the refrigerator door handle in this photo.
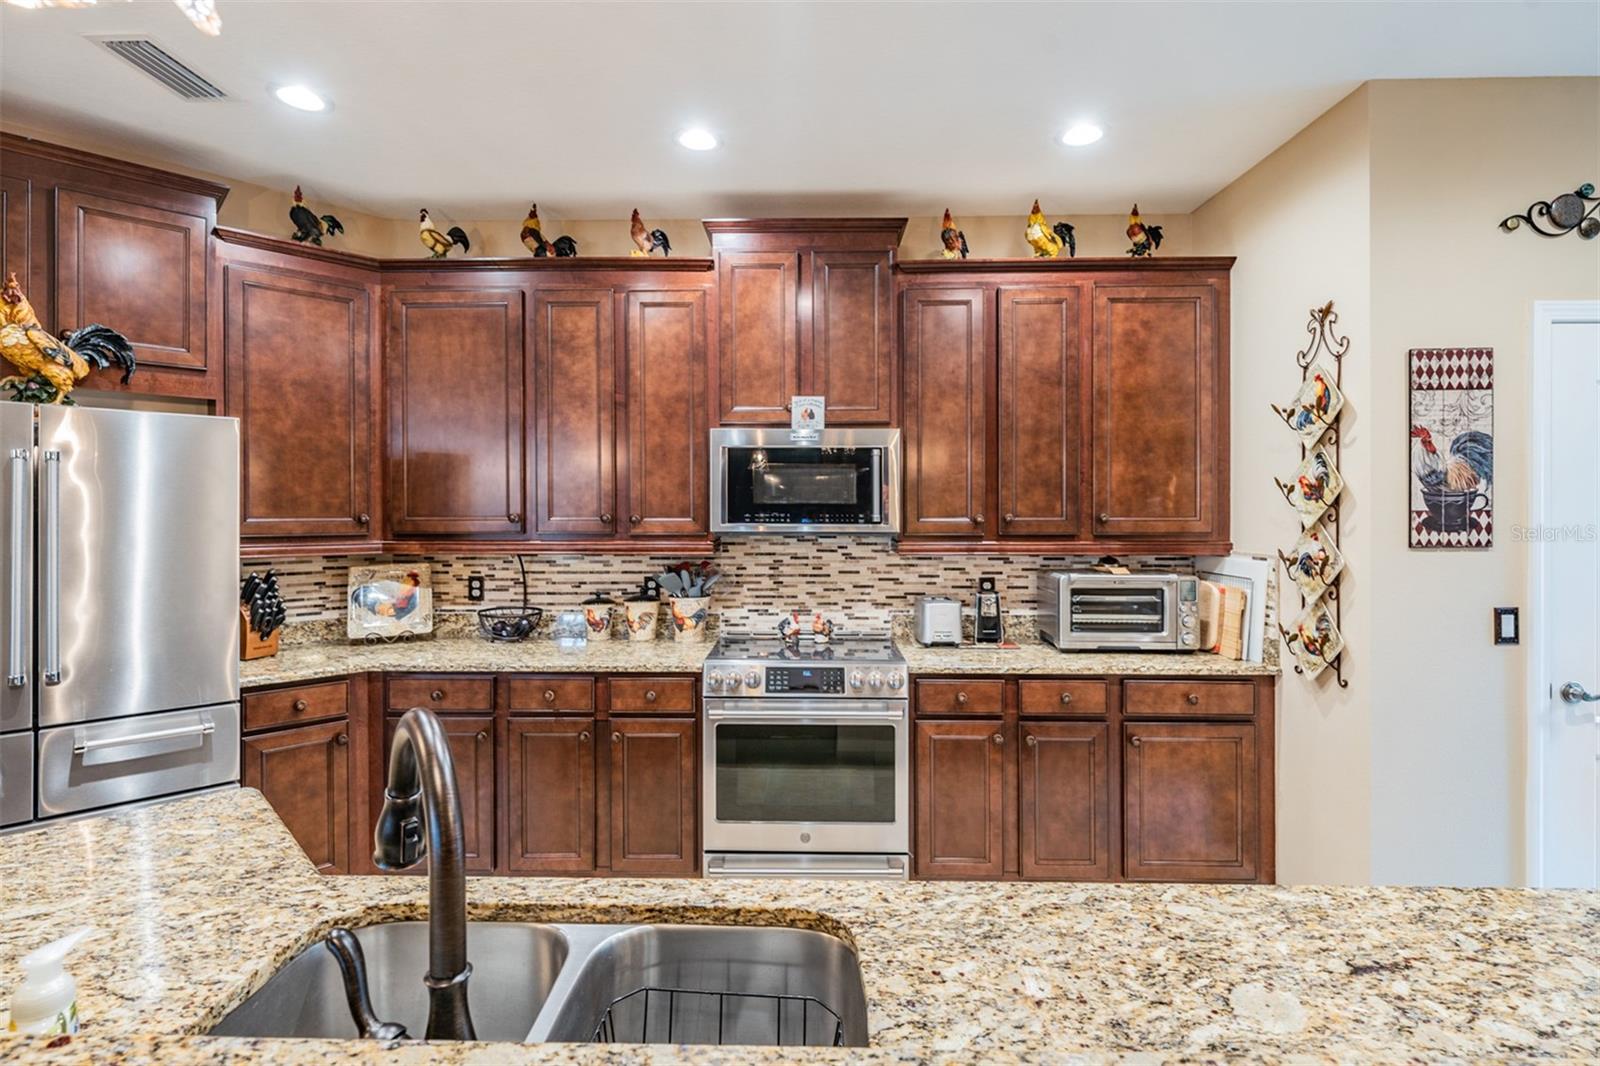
(21, 510)
(51, 520)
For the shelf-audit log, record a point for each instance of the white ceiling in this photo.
(475, 108)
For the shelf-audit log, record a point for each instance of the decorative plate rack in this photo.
(1315, 564)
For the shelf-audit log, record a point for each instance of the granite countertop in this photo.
(1036, 657)
(197, 903)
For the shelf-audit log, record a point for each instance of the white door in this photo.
(1564, 749)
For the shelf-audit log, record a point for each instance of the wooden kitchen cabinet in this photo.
(1065, 809)
(299, 356)
(574, 403)
(550, 804)
(22, 238)
(457, 388)
(960, 817)
(1190, 801)
(655, 797)
(944, 354)
(1157, 439)
(847, 355)
(1043, 333)
(304, 772)
(665, 354)
(472, 750)
(759, 350)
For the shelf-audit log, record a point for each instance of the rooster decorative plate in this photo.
(386, 602)
(1314, 563)
(1315, 407)
(1315, 640)
(1316, 485)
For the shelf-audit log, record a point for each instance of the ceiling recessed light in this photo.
(698, 139)
(1081, 134)
(298, 96)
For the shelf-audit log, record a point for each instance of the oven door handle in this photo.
(808, 710)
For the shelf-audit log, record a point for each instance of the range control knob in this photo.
(734, 680)
(896, 681)
(875, 680)
(753, 679)
(1188, 639)
(856, 679)
(714, 680)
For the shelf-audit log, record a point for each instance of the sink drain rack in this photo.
(682, 1016)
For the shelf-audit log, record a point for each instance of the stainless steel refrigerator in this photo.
(119, 577)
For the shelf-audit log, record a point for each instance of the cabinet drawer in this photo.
(652, 695)
(442, 693)
(977, 696)
(1061, 699)
(304, 703)
(1188, 699)
(534, 694)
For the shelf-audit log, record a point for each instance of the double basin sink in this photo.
(532, 982)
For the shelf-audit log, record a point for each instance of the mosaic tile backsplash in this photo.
(859, 582)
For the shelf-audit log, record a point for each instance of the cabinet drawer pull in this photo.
(342, 739)
(437, 695)
(1031, 740)
(1066, 697)
(961, 697)
(635, 519)
(999, 738)
(1135, 740)
(549, 695)
(605, 519)
(1008, 518)
(364, 519)
(483, 735)
(650, 695)
(583, 737)
(616, 738)
(300, 706)
(978, 518)
(1104, 517)
(513, 517)
(1194, 700)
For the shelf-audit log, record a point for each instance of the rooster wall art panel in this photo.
(1452, 447)
(389, 602)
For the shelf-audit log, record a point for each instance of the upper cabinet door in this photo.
(850, 357)
(574, 399)
(137, 268)
(1042, 334)
(1156, 415)
(667, 438)
(298, 355)
(943, 358)
(759, 354)
(456, 375)
(22, 239)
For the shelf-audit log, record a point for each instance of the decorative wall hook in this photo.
(1559, 217)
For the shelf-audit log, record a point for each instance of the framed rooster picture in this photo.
(1452, 447)
(389, 602)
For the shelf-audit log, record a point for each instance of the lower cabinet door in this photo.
(472, 750)
(305, 774)
(655, 796)
(550, 778)
(960, 808)
(1190, 801)
(1066, 801)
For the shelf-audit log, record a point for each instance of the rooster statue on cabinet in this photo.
(1047, 240)
(308, 225)
(439, 243)
(563, 247)
(1146, 239)
(954, 241)
(51, 367)
(647, 241)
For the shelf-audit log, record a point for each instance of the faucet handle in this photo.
(346, 951)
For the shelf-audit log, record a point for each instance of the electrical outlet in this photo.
(1507, 626)
(475, 588)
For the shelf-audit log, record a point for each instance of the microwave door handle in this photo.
(877, 486)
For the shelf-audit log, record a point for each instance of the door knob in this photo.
(616, 738)
(549, 695)
(1135, 740)
(1066, 697)
(513, 517)
(1031, 740)
(436, 695)
(1193, 699)
(977, 519)
(605, 520)
(635, 519)
(482, 736)
(1104, 517)
(342, 739)
(999, 738)
(299, 706)
(1008, 518)
(364, 519)
(1573, 692)
(583, 737)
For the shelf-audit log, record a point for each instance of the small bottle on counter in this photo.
(46, 1003)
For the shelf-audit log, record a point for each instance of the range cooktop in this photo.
(848, 667)
(863, 649)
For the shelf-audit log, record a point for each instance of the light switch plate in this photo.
(1507, 626)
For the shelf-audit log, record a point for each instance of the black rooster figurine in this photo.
(1146, 239)
(308, 225)
(647, 242)
(564, 247)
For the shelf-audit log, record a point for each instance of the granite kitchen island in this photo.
(199, 901)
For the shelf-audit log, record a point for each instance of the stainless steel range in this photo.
(807, 759)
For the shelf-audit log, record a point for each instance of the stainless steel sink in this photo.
(683, 984)
(514, 966)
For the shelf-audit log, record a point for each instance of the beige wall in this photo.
(1298, 223)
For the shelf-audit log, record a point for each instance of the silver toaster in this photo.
(1091, 611)
(938, 620)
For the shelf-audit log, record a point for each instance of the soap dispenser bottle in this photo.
(46, 1003)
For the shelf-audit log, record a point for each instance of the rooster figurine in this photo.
(308, 225)
(1146, 239)
(1048, 240)
(52, 368)
(647, 242)
(954, 241)
(563, 248)
(440, 243)
(1471, 462)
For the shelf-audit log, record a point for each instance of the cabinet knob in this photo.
(436, 695)
(605, 519)
(342, 739)
(616, 738)
(549, 695)
(1104, 517)
(1194, 700)
(978, 518)
(961, 697)
(299, 706)
(364, 519)
(1008, 518)
(1135, 740)
(650, 696)
(1066, 697)
(999, 738)
(583, 737)
(513, 517)
(635, 519)
(788, 405)
(483, 735)
(1031, 740)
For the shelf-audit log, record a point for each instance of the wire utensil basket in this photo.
(694, 1016)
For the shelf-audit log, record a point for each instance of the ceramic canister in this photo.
(597, 613)
(639, 619)
(688, 615)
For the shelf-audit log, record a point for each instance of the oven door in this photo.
(762, 482)
(818, 776)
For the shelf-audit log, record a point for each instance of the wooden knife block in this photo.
(251, 646)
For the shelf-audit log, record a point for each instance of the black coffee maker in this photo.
(987, 627)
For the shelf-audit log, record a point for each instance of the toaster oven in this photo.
(1092, 611)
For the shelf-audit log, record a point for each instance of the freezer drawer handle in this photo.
(52, 567)
(15, 676)
(204, 728)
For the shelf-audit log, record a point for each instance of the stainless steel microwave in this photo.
(845, 481)
(1091, 611)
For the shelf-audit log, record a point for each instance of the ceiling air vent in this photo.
(160, 65)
